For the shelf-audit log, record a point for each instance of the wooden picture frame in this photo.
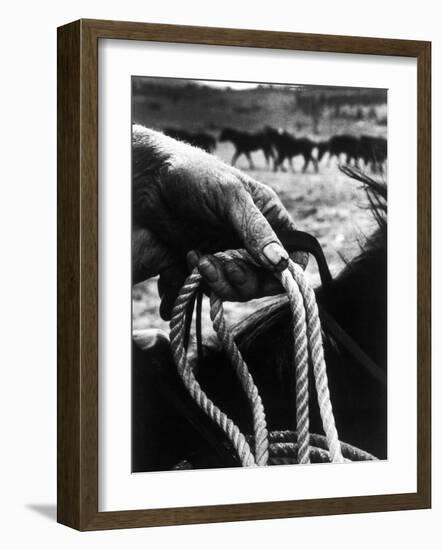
(78, 274)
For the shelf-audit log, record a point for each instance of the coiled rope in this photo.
(300, 447)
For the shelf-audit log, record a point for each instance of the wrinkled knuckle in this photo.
(231, 187)
(272, 207)
(271, 194)
(265, 201)
(257, 227)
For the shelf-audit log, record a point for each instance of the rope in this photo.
(307, 341)
(251, 391)
(284, 442)
(301, 366)
(314, 336)
(185, 370)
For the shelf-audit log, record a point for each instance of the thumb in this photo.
(255, 232)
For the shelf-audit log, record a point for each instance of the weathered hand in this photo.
(186, 200)
(234, 280)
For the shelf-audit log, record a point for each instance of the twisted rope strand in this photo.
(314, 337)
(185, 370)
(301, 366)
(245, 378)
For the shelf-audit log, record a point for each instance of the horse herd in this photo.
(280, 146)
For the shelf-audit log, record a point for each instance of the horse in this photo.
(373, 151)
(246, 143)
(204, 141)
(170, 431)
(343, 144)
(200, 139)
(288, 147)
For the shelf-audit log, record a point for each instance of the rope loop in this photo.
(308, 348)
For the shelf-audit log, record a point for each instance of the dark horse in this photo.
(200, 139)
(170, 431)
(373, 151)
(288, 147)
(344, 144)
(247, 142)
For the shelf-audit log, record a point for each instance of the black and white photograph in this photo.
(220, 275)
(259, 270)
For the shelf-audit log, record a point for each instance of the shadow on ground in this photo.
(48, 511)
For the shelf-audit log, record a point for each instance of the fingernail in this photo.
(276, 255)
(236, 274)
(208, 270)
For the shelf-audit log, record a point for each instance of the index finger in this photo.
(272, 208)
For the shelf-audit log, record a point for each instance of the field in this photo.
(328, 204)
